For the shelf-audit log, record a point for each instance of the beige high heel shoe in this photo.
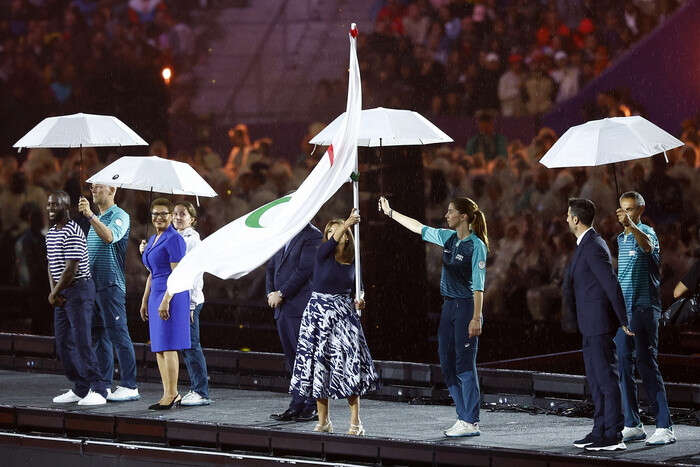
(325, 428)
(357, 430)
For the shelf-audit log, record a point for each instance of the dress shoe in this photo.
(286, 416)
(158, 406)
(324, 428)
(309, 415)
(357, 430)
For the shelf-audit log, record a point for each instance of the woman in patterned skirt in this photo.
(332, 358)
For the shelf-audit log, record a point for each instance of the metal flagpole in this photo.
(356, 231)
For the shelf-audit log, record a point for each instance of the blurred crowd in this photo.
(101, 56)
(453, 57)
(524, 202)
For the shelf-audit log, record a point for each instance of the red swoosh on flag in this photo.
(331, 156)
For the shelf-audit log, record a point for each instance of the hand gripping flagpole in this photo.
(359, 293)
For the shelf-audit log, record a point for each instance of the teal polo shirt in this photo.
(107, 260)
(639, 272)
(463, 262)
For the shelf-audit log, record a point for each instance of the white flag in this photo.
(244, 244)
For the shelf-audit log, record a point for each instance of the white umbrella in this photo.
(381, 127)
(608, 141)
(80, 130)
(388, 127)
(153, 174)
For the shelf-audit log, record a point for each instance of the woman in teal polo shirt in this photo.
(465, 245)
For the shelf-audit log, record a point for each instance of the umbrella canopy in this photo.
(388, 127)
(80, 130)
(608, 141)
(153, 174)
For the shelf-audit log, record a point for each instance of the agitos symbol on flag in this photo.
(247, 242)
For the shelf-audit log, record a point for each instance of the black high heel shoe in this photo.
(158, 406)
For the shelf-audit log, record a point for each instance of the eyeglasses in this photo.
(155, 214)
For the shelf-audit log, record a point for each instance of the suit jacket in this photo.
(290, 272)
(591, 290)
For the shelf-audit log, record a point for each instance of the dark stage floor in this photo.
(545, 434)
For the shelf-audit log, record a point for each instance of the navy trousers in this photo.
(73, 330)
(600, 361)
(288, 330)
(457, 353)
(642, 349)
(194, 358)
(110, 332)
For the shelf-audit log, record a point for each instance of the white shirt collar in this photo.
(580, 237)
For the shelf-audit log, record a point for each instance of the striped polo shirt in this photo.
(463, 262)
(66, 244)
(638, 271)
(107, 260)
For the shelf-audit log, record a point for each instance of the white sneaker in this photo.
(122, 394)
(633, 433)
(92, 398)
(453, 427)
(462, 428)
(66, 398)
(662, 436)
(193, 398)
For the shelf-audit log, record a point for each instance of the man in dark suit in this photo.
(288, 285)
(592, 292)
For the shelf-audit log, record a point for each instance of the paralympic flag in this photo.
(247, 242)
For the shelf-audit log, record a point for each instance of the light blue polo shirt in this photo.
(107, 260)
(463, 262)
(638, 271)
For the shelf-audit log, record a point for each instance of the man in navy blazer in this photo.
(288, 285)
(592, 292)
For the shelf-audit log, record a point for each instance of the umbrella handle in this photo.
(617, 188)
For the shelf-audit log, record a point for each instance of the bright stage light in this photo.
(167, 74)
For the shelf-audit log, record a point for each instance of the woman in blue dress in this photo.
(465, 245)
(168, 315)
(332, 358)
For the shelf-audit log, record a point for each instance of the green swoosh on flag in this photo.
(253, 220)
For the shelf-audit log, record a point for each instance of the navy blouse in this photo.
(331, 277)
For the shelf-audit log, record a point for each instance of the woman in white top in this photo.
(184, 220)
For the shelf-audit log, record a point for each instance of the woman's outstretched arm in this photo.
(408, 222)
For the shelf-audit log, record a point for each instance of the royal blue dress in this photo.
(173, 334)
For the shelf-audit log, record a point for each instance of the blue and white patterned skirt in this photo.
(332, 358)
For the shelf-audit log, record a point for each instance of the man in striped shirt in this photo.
(72, 295)
(638, 264)
(107, 240)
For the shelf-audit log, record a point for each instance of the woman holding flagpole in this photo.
(465, 245)
(332, 357)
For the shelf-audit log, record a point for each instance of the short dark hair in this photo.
(584, 209)
(162, 202)
(62, 197)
